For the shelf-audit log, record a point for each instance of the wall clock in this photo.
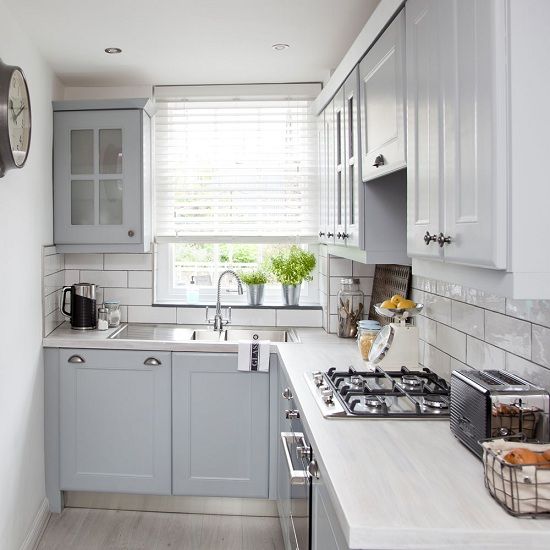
(15, 118)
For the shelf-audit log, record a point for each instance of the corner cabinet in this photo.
(114, 421)
(102, 176)
(382, 91)
(220, 427)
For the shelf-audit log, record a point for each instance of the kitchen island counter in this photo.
(399, 484)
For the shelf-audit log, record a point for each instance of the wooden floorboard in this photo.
(87, 529)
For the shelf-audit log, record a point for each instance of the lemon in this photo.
(388, 304)
(396, 298)
(406, 304)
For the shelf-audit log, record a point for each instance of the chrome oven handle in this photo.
(297, 477)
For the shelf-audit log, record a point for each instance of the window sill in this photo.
(239, 306)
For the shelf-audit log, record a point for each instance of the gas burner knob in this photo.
(327, 396)
(287, 394)
(318, 378)
(292, 414)
(303, 452)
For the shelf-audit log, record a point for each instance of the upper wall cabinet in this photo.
(382, 75)
(478, 116)
(102, 173)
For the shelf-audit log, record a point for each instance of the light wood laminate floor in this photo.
(86, 529)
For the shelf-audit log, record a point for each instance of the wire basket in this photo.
(513, 419)
(522, 490)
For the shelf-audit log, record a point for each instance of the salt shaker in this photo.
(102, 318)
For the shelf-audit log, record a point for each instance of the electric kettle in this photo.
(83, 306)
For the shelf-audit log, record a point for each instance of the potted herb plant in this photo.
(255, 282)
(291, 267)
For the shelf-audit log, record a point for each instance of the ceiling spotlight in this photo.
(113, 50)
(280, 47)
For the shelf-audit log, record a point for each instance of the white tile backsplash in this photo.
(83, 261)
(115, 279)
(299, 318)
(541, 345)
(140, 279)
(255, 317)
(508, 333)
(339, 267)
(130, 296)
(468, 319)
(483, 356)
(536, 311)
(437, 308)
(528, 370)
(149, 314)
(130, 262)
(437, 361)
(192, 315)
(451, 341)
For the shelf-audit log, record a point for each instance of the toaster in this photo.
(495, 403)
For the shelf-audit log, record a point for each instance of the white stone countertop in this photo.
(399, 484)
(65, 337)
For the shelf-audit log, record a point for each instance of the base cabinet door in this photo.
(220, 427)
(326, 533)
(115, 421)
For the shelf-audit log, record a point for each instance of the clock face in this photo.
(19, 118)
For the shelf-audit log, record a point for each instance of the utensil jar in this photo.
(350, 302)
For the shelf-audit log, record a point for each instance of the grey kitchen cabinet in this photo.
(114, 421)
(382, 91)
(326, 533)
(102, 176)
(220, 424)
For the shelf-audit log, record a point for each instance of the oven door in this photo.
(294, 476)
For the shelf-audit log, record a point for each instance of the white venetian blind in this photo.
(231, 168)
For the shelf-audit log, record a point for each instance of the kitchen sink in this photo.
(181, 333)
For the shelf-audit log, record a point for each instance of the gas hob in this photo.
(380, 394)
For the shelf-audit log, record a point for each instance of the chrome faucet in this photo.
(218, 320)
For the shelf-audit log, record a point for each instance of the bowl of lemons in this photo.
(398, 306)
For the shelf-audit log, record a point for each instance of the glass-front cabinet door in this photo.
(97, 167)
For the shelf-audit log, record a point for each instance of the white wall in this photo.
(25, 225)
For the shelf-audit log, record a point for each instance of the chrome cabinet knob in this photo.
(287, 394)
(131, 233)
(321, 233)
(442, 240)
(76, 359)
(379, 161)
(292, 414)
(329, 234)
(313, 469)
(345, 235)
(152, 362)
(338, 235)
(429, 238)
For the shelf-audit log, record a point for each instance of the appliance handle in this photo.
(64, 291)
(297, 477)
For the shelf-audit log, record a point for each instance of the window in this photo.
(235, 177)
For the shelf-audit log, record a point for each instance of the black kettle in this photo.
(83, 306)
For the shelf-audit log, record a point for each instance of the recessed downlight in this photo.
(280, 47)
(113, 50)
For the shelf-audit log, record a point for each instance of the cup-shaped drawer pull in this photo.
(152, 362)
(76, 359)
(297, 477)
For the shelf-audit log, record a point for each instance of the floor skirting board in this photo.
(38, 525)
(178, 504)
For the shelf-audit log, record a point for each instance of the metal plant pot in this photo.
(291, 294)
(255, 295)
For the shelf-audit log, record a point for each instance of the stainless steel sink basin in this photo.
(180, 333)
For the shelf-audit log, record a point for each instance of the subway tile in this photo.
(437, 361)
(541, 345)
(536, 311)
(130, 262)
(149, 314)
(130, 296)
(437, 308)
(53, 282)
(333, 324)
(49, 250)
(531, 372)
(417, 282)
(83, 261)
(254, 317)
(299, 317)
(140, 279)
(458, 365)
(417, 295)
(421, 348)
(468, 319)
(483, 356)
(192, 315)
(426, 329)
(53, 263)
(339, 267)
(51, 302)
(365, 284)
(52, 321)
(451, 341)
(106, 279)
(323, 265)
(335, 285)
(323, 250)
(508, 333)
(323, 284)
(363, 270)
(485, 300)
(72, 276)
(430, 285)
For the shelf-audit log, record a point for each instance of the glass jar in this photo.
(350, 303)
(113, 310)
(366, 335)
(102, 318)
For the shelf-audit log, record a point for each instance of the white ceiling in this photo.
(192, 41)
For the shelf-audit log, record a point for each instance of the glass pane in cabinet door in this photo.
(82, 151)
(110, 202)
(82, 202)
(110, 151)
